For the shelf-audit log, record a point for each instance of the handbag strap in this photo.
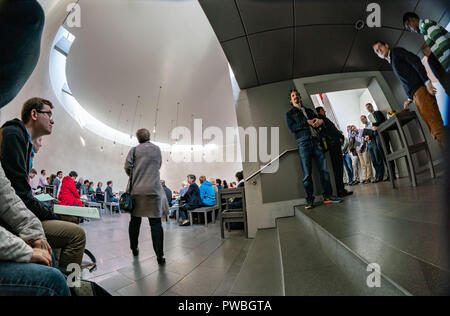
(133, 161)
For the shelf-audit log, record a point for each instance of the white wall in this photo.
(346, 107)
(349, 105)
(365, 98)
(63, 149)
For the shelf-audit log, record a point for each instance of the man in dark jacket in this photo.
(335, 139)
(167, 191)
(303, 123)
(237, 202)
(409, 69)
(377, 118)
(191, 200)
(15, 154)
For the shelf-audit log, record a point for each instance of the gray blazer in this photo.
(147, 190)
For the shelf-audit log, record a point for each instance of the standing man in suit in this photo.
(409, 69)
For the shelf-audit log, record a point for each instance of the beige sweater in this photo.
(22, 224)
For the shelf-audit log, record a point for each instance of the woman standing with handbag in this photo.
(142, 165)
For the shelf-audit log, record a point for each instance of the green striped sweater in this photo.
(438, 39)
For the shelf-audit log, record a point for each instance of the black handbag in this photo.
(126, 201)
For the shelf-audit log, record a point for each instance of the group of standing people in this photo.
(363, 150)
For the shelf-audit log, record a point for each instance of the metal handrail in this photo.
(270, 163)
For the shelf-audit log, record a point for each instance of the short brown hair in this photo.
(290, 92)
(33, 104)
(202, 179)
(143, 135)
(33, 171)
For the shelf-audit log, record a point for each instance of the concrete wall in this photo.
(63, 149)
(270, 196)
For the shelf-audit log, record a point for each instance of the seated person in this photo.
(84, 188)
(91, 192)
(110, 197)
(237, 202)
(190, 200)
(31, 175)
(25, 255)
(16, 146)
(57, 182)
(68, 194)
(207, 192)
(99, 193)
(219, 184)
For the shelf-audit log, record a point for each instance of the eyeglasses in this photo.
(49, 113)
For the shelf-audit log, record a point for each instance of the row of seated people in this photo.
(203, 196)
(85, 188)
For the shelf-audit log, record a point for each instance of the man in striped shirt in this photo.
(438, 41)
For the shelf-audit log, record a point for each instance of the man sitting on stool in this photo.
(191, 200)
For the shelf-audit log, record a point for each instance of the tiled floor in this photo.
(198, 261)
(401, 228)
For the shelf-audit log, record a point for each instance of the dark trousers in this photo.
(309, 149)
(348, 167)
(186, 207)
(377, 160)
(440, 73)
(157, 234)
(387, 140)
(337, 163)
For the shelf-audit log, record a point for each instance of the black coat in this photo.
(15, 159)
(21, 25)
(168, 194)
(409, 70)
(379, 118)
(192, 196)
(331, 132)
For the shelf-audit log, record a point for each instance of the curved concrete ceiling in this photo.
(268, 41)
(125, 49)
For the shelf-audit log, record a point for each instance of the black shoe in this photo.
(161, 261)
(135, 252)
(186, 224)
(345, 193)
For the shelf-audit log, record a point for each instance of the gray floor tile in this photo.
(203, 281)
(113, 281)
(153, 285)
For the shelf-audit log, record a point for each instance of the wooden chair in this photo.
(206, 210)
(228, 215)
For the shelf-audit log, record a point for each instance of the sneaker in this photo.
(309, 205)
(331, 200)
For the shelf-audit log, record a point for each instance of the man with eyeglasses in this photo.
(15, 155)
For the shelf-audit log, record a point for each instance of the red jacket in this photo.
(68, 194)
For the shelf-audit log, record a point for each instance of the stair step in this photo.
(316, 263)
(261, 273)
(378, 239)
(307, 268)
